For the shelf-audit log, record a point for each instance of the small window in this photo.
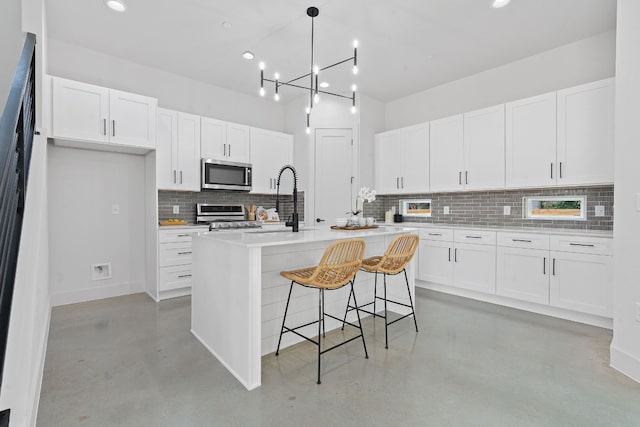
(416, 208)
(572, 208)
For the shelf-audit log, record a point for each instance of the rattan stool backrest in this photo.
(398, 253)
(339, 264)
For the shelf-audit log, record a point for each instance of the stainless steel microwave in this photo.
(224, 175)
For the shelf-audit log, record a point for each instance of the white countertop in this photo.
(305, 235)
(531, 230)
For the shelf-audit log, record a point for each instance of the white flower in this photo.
(366, 194)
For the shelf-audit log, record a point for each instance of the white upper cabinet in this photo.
(84, 112)
(585, 133)
(225, 141)
(484, 149)
(269, 152)
(178, 151)
(447, 154)
(531, 142)
(402, 160)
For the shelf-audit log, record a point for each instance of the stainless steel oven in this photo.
(224, 175)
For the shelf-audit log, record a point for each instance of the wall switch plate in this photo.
(638, 311)
(115, 209)
(599, 210)
(506, 210)
(176, 209)
(446, 210)
(101, 271)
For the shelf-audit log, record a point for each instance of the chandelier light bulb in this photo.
(316, 69)
(353, 88)
(316, 98)
(262, 91)
(276, 76)
(276, 97)
(355, 43)
(500, 3)
(308, 110)
(353, 109)
(308, 130)
(261, 65)
(355, 70)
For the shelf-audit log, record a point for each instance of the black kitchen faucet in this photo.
(292, 221)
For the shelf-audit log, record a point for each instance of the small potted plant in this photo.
(364, 195)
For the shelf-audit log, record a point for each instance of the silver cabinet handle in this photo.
(585, 245)
(473, 237)
(449, 254)
(184, 275)
(270, 183)
(435, 234)
(551, 170)
(182, 235)
(560, 169)
(180, 177)
(229, 150)
(455, 255)
(521, 240)
(460, 177)
(113, 127)
(402, 182)
(104, 126)
(553, 267)
(544, 266)
(174, 177)
(397, 183)
(466, 177)
(224, 149)
(185, 253)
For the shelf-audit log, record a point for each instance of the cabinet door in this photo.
(414, 177)
(167, 149)
(484, 149)
(188, 152)
(80, 111)
(446, 155)
(523, 274)
(387, 162)
(269, 152)
(531, 142)
(133, 119)
(238, 143)
(581, 282)
(435, 262)
(213, 139)
(585, 133)
(474, 267)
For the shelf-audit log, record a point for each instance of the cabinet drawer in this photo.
(437, 234)
(582, 244)
(175, 254)
(175, 277)
(478, 237)
(172, 236)
(523, 240)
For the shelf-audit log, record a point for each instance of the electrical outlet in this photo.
(506, 210)
(599, 210)
(115, 209)
(446, 210)
(176, 209)
(638, 311)
(101, 271)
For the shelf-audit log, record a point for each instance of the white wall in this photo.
(83, 187)
(570, 65)
(11, 41)
(625, 348)
(173, 91)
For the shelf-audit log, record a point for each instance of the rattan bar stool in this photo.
(394, 261)
(338, 267)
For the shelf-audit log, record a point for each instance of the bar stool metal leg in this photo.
(386, 339)
(286, 308)
(320, 317)
(413, 312)
(366, 354)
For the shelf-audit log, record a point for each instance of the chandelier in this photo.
(314, 71)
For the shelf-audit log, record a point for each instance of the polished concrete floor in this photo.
(131, 362)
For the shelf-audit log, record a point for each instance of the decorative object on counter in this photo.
(388, 215)
(341, 222)
(365, 194)
(419, 208)
(371, 220)
(173, 221)
(353, 227)
(251, 212)
(398, 218)
(314, 87)
(272, 214)
(262, 214)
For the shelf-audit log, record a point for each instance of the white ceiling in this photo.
(406, 46)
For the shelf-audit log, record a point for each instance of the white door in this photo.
(523, 274)
(531, 142)
(238, 143)
(188, 152)
(213, 137)
(414, 167)
(133, 119)
(585, 133)
(435, 262)
(581, 282)
(474, 267)
(484, 148)
(446, 154)
(80, 111)
(333, 174)
(387, 162)
(167, 149)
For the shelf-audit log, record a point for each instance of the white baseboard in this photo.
(82, 295)
(38, 382)
(625, 363)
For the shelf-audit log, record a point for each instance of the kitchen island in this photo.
(238, 295)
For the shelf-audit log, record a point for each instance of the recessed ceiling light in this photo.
(500, 3)
(117, 5)
(324, 84)
(226, 25)
(247, 54)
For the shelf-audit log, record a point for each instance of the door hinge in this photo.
(352, 142)
(352, 178)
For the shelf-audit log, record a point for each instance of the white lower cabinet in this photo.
(175, 269)
(523, 274)
(474, 267)
(434, 262)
